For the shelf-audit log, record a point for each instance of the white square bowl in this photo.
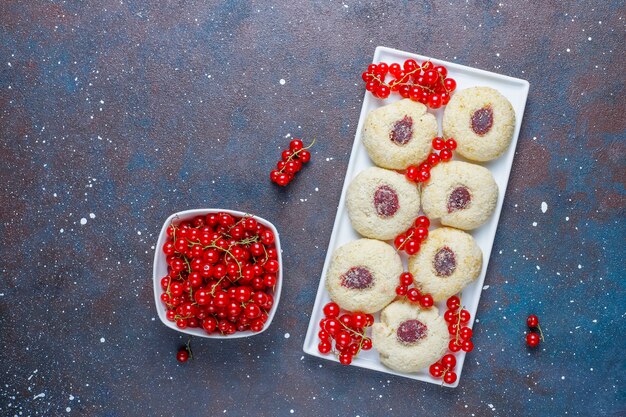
(160, 270)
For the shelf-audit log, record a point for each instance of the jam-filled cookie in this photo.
(409, 338)
(382, 203)
(363, 275)
(447, 262)
(461, 194)
(482, 121)
(399, 134)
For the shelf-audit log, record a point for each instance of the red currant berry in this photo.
(430, 76)
(324, 346)
(305, 156)
(331, 310)
(412, 173)
(345, 358)
(445, 154)
(410, 65)
(449, 361)
(346, 320)
(449, 378)
(323, 335)
(532, 339)
(421, 233)
(453, 346)
(394, 69)
(406, 278)
(371, 85)
(383, 68)
(405, 91)
(532, 321)
(465, 333)
(433, 159)
(413, 295)
(401, 290)
(424, 176)
(465, 316)
(427, 65)
(426, 301)
(453, 302)
(451, 144)
(441, 70)
(359, 320)
(434, 101)
(295, 145)
(415, 92)
(467, 346)
(438, 143)
(436, 370)
(366, 344)
(371, 68)
(449, 84)
(399, 240)
(182, 355)
(332, 326)
(422, 221)
(383, 91)
(411, 247)
(369, 320)
(445, 98)
(267, 237)
(450, 316)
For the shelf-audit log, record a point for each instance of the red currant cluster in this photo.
(532, 338)
(421, 173)
(291, 162)
(456, 317)
(413, 294)
(347, 330)
(444, 368)
(411, 240)
(221, 273)
(425, 83)
(184, 352)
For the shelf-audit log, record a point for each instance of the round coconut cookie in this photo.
(399, 134)
(409, 338)
(461, 194)
(363, 275)
(482, 121)
(382, 203)
(447, 262)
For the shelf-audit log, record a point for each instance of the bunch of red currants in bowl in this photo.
(427, 83)
(222, 270)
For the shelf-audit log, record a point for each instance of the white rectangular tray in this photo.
(516, 91)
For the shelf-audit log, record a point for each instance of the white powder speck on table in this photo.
(544, 206)
(282, 81)
(287, 335)
(83, 221)
(102, 340)
(92, 216)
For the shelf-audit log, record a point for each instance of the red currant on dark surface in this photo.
(292, 160)
(532, 321)
(532, 339)
(182, 355)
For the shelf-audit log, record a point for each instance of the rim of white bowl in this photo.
(159, 259)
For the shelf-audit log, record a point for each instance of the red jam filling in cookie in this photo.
(357, 278)
(402, 131)
(386, 201)
(459, 199)
(411, 331)
(444, 262)
(482, 120)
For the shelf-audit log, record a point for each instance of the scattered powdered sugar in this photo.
(282, 81)
(544, 206)
(92, 216)
(287, 335)
(102, 340)
(83, 221)
(42, 395)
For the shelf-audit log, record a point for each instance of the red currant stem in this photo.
(405, 240)
(188, 347)
(187, 262)
(443, 376)
(293, 155)
(458, 324)
(540, 333)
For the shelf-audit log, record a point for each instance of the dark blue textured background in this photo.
(131, 110)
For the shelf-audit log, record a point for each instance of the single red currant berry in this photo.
(399, 240)
(371, 85)
(421, 233)
(449, 378)
(401, 290)
(323, 335)
(383, 91)
(415, 92)
(394, 69)
(305, 156)
(331, 310)
(465, 316)
(465, 333)
(430, 76)
(345, 358)
(411, 247)
(412, 173)
(422, 221)
(346, 319)
(438, 143)
(451, 144)
(296, 145)
(441, 70)
(453, 302)
(453, 346)
(359, 320)
(424, 176)
(410, 65)
(450, 316)
(532, 339)
(445, 154)
(371, 68)
(436, 370)
(426, 301)
(433, 159)
(406, 278)
(324, 346)
(532, 321)
(445, 98)
(383, 68)
(182, 355)
(449, 361)
(413, 295)
(434, 101)
(366, 344)
(467, 346)
(449, 84)
(405, 91)
(365, 76)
